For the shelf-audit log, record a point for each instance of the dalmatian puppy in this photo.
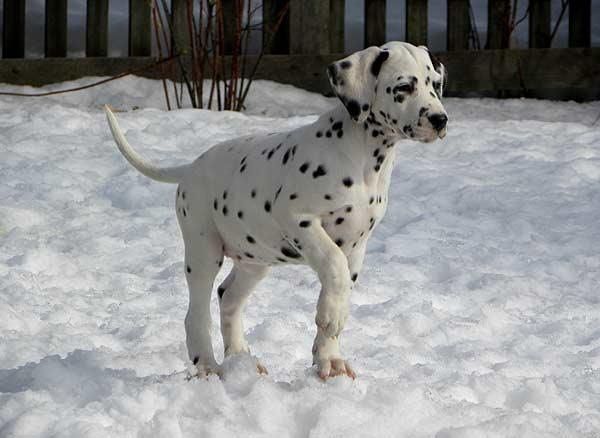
(311, 196)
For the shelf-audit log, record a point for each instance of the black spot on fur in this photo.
(375, 133)
(348, 209)
(225, 194)
(365, 107)
(328, 197)
(339, 242)
(281, 260)
(432, 94)
(225, 210)
(196, 360)
(337, 125)
(304, 224)
(345, 64)
(184, 212)
(216, 204)
(249, 255)
(371, 200)
(377, 168)
(339, 220)
(240, 214)
(354, 276)
(376, 152)
(250, 239)
(353, 108)
(320, 171)
(381, 58)
(220, 291)
(319, 134)
(293, 196)
(328, 134)
(267, 206)
(348, 181)
(253, 193)
(278, 192)
(183, 195)
(290, 252)
(340, 133)
(188, 269)
(243, 168)
(270, 154)
(304, 167)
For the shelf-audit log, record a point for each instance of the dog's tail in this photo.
(166, 174)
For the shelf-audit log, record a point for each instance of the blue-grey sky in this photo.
(395, 27)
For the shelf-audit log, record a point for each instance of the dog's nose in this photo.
(438, 121)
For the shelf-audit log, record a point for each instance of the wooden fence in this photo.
(312, 35)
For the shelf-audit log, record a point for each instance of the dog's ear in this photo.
(441, 69)
(354, 80)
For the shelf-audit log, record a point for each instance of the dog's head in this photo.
(398, 86)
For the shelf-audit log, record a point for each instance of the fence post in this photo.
(309, 27)
(416, 22)
(580, 19)
(55, 45)
(279, 40)
(498, 24)
(229, 24)
(539, 23)
(459, 25)
(13, 33)
(336, 26)
(140, 29)
(374, 23)
(96, 32)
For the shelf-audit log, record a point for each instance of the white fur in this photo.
(310, 196)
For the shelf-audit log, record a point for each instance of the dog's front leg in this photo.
(331, 265)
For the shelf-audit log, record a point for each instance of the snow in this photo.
(477, 313)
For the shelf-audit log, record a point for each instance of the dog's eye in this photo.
(404, 88)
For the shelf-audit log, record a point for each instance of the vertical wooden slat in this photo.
(416, 22)
(539, 23)
(181, 33)
(374, 22)
(277, 42)
(309, 27)
(580, 19)
(498, 36)
(56, 29)
(336, 25)
(459, 24)
(13, 34)
(140, 31)
(96, 32)
(229, 19)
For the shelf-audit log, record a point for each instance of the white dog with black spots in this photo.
(311, 196)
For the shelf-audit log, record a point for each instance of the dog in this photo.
(309, 196)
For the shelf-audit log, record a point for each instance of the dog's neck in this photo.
(367, 141)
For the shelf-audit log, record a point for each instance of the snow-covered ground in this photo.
(477, 313)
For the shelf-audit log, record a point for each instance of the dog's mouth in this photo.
(428, 135)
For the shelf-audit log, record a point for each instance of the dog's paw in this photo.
(332, 313)
(203, 371)
(327, 358)
(327, 368)
(242, 363)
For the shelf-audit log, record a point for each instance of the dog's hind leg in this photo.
(233, 293)
(203, 259)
